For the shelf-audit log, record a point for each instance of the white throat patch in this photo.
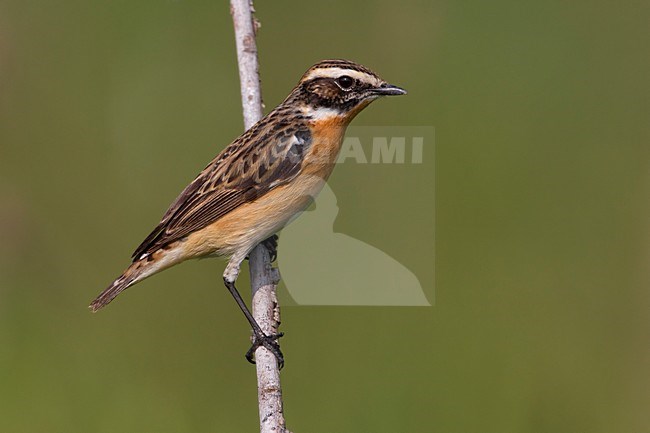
(321, 113)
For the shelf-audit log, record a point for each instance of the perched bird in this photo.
(259, 181)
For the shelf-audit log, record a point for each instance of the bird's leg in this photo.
(259, 337)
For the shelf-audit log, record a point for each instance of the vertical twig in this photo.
(264, 277)
(249, 77)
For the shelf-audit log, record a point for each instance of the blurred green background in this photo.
(540, 324)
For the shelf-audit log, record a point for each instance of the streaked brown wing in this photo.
(248, 168)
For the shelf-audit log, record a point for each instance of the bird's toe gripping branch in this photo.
(268, 341)
(271, 244)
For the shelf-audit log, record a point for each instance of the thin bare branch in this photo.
(264, 277)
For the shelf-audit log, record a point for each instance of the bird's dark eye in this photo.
(345, 82)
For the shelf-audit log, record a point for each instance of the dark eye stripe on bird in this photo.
(259, 182)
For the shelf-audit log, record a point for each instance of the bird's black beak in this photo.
(388, 89)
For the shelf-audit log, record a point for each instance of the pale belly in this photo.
(249, 224)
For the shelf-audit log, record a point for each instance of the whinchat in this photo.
(259, 182)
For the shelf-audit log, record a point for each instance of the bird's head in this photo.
(340, 88)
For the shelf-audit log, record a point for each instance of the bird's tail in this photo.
(139, 270)
(116, 287)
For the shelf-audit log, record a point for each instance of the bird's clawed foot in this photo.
(271, 244)
(268, 341)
